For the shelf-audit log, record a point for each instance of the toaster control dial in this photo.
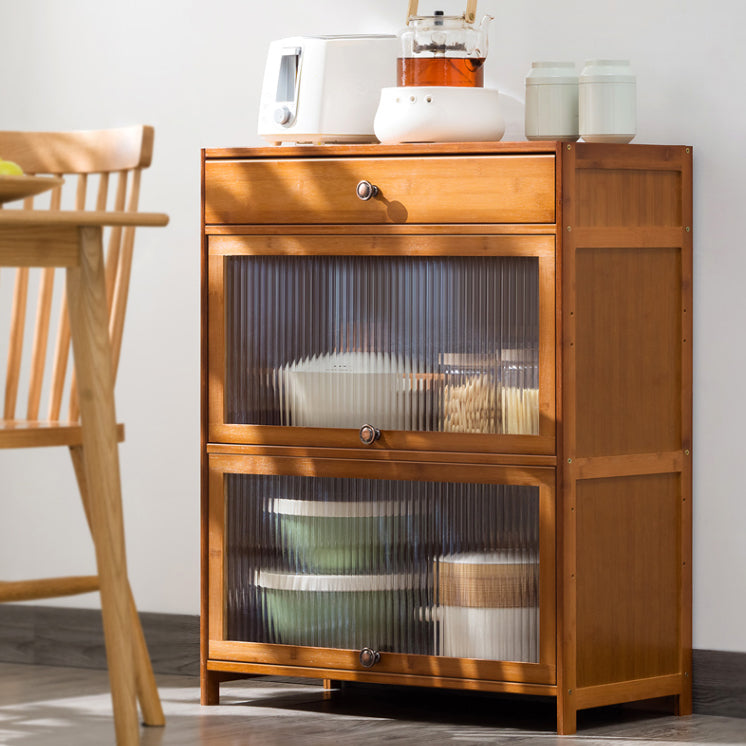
(282, 115)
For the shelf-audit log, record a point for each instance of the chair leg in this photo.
(147, 689)
(115, 612)
(87, 311)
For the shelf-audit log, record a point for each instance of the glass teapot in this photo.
(441, 50)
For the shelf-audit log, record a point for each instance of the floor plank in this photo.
(49, 706)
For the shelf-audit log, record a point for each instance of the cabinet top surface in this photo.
(462, 148)
(320, 151)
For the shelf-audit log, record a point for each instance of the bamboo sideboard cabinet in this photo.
(446, 418)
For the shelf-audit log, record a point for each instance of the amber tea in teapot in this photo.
(436, 71)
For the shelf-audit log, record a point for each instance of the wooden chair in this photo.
(102, 183)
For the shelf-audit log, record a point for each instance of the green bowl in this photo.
(336, 611)
(342, 537)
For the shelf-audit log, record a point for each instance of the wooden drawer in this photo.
(449, 189)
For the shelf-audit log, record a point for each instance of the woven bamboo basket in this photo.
(488, 606)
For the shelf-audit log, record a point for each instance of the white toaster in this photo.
(325, 89)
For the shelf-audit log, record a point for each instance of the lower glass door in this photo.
(409, 566)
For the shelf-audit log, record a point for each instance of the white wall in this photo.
(193, 70)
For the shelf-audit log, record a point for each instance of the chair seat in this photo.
(41, 433)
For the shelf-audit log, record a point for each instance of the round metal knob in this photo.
(369, 657)
(365, 190)
(282, 115)
(369, 434)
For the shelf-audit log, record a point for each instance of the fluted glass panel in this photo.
(427, 568)
(432, 344)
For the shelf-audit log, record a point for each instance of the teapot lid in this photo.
(469, 16)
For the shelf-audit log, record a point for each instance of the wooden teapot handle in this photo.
(469, 15)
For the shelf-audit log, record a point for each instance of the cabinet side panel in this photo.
(624, 197)
(628, 567)
(628, 350)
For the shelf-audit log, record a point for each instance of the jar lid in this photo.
(302, 583)
(607, 71)
(317, 509)
(556, 73)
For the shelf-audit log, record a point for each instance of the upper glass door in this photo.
(427, 344)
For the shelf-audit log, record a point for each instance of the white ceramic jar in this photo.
(552, 101)
(607, 101)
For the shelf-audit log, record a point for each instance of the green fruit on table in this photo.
(9, 168)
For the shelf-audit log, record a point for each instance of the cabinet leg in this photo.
(330, 685)
(210, 688)
(682, 703)
(567, 716)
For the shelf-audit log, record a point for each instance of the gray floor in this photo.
(47, 705)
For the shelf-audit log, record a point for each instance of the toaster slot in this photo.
(286, 97)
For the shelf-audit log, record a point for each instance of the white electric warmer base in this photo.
(438, 114)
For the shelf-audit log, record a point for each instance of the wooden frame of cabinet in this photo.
(626, 224)
(614, 227)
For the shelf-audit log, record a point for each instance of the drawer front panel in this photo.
(452, 189)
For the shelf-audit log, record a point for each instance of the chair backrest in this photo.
(102, 172)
